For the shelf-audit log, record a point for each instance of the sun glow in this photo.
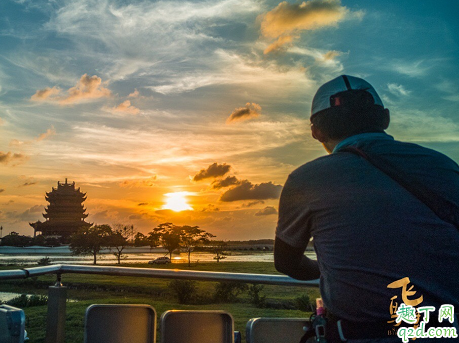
(177, 202)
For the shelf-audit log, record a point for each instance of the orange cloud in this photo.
(284, 22)
(126, 107)
(50, 132)
(149, 182)
(134, 94)
(251, 110)
(44, 94)
(277, 45)
(87, 88)
(17, 143)
(14, 159)
(331, 55)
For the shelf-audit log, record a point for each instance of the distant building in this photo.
(65, 213)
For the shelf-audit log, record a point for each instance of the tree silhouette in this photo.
(172, 237)
(192, 236)
(90, 241)
(120, 238)
(218, 249)
(169, 236)
(140, 239)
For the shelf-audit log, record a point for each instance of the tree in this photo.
(14, 239)
(169, 236)
(120, 238)
(140, 239)
(218, 247)
(153, 239)
(191, 236)
(89, 241)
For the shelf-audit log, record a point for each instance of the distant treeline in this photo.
(14, 239)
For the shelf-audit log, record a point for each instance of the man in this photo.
(378, 244)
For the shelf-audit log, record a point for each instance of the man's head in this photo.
(344, 107)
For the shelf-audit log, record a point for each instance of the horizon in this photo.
(195, 112)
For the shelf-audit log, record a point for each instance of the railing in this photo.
(57, 294)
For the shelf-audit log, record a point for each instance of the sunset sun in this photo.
(177, 202)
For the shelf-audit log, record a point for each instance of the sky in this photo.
(206, 102)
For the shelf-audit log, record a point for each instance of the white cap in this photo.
(322, 99)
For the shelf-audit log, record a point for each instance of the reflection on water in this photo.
(141, 258)
(7, 296)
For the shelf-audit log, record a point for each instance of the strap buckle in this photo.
(340, 331)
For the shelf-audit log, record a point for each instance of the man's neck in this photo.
(330, 144)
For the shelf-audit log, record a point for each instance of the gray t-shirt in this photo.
(370, 232)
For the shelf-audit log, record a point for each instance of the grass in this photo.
(100, 289)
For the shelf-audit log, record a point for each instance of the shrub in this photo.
(228, 291)
(303, 303)
(45, 261)
(255, 297)
(28, 301)
(185, 290)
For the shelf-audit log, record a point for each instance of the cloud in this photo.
(142, 204)
(285, 22)
(251, 110)
(210, 208)
(30, 214)
(87, 88)
(149, 182)
(1, 190)
(229, 181)
(253, 203)
(126, 107)
(134, 94)
(331, 55)
(398, 90)
(45, 94)
(268, 210)
(450, 89)
(12, 158)
(25, 184)
(248, 191)
(279, 44)
(213, 171)
(50, 132)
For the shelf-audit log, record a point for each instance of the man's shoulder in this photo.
(396, 150)
(319, 165)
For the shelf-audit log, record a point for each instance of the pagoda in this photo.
(65, 213)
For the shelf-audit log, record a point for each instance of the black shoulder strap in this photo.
(443, 208)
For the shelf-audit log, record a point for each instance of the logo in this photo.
(409, 312)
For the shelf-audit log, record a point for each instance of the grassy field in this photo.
(98, 289)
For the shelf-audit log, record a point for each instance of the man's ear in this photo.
(386, 118)
(317, 134)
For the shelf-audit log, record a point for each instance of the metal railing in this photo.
(57, 294)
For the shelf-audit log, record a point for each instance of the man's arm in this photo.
(292, 262)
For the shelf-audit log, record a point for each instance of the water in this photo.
(17, 257)
(7, 296)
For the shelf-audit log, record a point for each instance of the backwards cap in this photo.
(333, 93)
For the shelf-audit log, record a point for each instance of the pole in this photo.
(55, 321)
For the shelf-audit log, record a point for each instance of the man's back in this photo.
(370, 232)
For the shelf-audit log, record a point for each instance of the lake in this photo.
(62, 255)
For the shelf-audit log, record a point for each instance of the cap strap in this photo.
(346, 81)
